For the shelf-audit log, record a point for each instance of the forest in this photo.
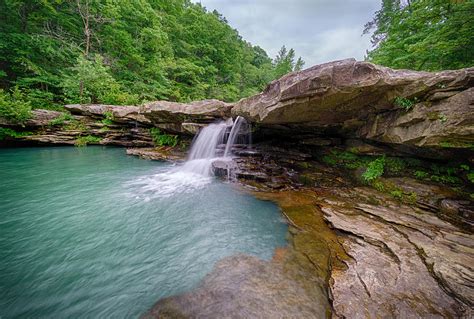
(54, 52)
(126, 52)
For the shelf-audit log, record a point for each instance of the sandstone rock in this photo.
(446, 123)
(38, 118)
(405, 262)
(157, 153)
(121, 114)
(198, 112)
(358, 99)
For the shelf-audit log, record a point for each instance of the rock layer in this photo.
(365, 100)
(405, 262)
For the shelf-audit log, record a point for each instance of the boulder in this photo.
(360, 99)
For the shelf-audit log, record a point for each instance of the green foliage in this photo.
(404, 103)
(132, 51)
(61, 119)
(347, 160)
(85, 140)
(90, 81)
(6, 132)
(285, 62)
(109, 118)
(394, 165)
(421, 174)
(14, 106)
(397, 193)
(162, 139)
(423, 34)
(375, 169)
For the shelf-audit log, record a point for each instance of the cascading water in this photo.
(236, 132)
(204, 149)
(198, 169)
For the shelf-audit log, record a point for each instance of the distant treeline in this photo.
(427, 35)
(126, 52)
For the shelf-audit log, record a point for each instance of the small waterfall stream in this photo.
(204, 149)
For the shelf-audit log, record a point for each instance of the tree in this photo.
(59, 51)
(285, 62)
(423, 34)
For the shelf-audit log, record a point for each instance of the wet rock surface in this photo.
(404, 262)
(245, 287)
(158, 153)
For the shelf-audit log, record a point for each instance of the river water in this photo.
(91, 232)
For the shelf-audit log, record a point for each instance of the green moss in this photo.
(162, 139)
(394, 165)
(88, 139)
(421, 174)
(6, 133)
(344, 159)
(442, 118)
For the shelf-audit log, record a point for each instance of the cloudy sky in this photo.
(319, 30)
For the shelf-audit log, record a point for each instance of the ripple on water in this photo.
(93, 233)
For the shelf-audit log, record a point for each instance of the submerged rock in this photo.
(245, 287)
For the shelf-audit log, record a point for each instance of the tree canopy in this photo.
(423, 34)
(127, 52)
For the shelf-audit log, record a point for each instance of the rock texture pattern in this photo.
(405, 262)
(365, 100)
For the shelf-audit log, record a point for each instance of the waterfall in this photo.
(236, 131)
(204, 149)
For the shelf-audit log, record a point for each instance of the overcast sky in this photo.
(318, 30)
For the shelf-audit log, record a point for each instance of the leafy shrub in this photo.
(375, 169)
(404, 103)
(61, 119)
(162, 139)
(6, 132)
(109, 118)
(14, 106)
(40, 99)
(85, 140)
(421, 174)
(97, 83)
(346, 159)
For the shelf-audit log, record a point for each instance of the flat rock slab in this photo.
(405, 262)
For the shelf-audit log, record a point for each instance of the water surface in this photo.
(91, 232)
